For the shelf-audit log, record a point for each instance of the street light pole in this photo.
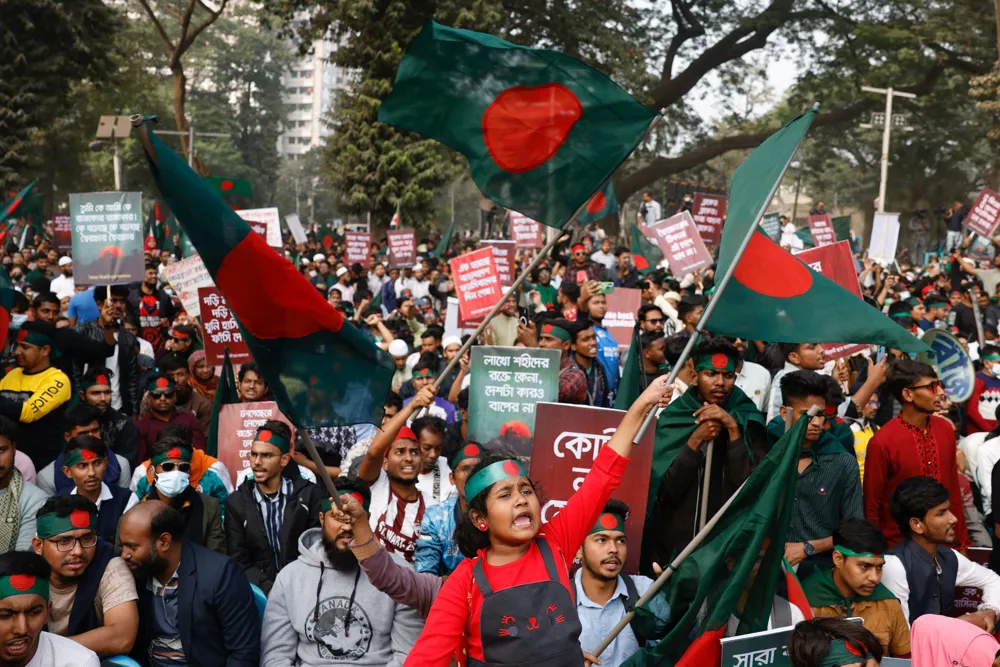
(886, 131)
(191, 134)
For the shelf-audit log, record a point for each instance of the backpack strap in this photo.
(633, 592)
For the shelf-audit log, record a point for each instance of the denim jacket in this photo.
(437, 550)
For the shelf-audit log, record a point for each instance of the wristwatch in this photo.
(809, 548)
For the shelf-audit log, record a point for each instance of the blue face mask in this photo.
(17, 319)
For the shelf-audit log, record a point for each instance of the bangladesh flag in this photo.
(541, 130)
(322, 371)
(646, 255)
(805, 235)
(842, 227)
(7, 292)
(772, 295)
(729, 581)
(327, 237)
(630, 386)
(225, 394)
(445, 243)
(11, 205)
(600, 206)
(226, 186)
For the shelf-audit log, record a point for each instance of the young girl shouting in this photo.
(513, 601)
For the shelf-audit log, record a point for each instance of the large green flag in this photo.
(646, 255)
(225, 394)
(11, 205)
(542, 131)
(772, 295)
(732, 576)
(445, 243)
(842, 227)
(631, 384)
(227, 186)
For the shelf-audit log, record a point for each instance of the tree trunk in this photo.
(180, 97)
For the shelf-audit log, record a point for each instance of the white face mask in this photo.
(995, 369)
(172, 483)
(17, 319)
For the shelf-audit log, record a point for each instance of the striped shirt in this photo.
(272, 510)
(826, 492)
(396, 522)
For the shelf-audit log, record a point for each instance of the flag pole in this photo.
(720, 286)
(676, 563)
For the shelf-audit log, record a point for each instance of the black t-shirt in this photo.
(964, 320)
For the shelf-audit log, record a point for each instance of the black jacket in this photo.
(216, 612)
(128, 365)
(75, 347)
(246, 539)
(120, 433)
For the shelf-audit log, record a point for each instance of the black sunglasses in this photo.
(162, 394)
(170, 466)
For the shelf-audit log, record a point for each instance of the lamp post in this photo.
(887, 121)
(113, 128)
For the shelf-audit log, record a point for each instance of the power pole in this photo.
(191, 134)
(888, 121)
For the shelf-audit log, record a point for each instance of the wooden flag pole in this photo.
(719, 288)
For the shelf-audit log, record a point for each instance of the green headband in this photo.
(841, 653)
(265, 434)
(51, 524)
(23, 584)
(492, 474)
(328, 505)
(80, 455)
(900, 315)
(854, 554)
(991, 357)
(470, 451)
(424, 373)
(160, 384)
(33, 338)
(936, 304)
(556, 331)
(715, 362)
(182, 453)
(608, 521)
(99, 379)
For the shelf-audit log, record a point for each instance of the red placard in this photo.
(238, 423)
(709, 213)
(821, 228)
(503, 255)
(358, 247)
(526, 232)
(984, 215)
(619, 320)
(220, 329)
(62, 234)
(836, 263)
(567, 439)
(402, 248)
(477, 283)
(678, 239)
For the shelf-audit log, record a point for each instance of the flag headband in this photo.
(470, 451)
(51, 524)
(80, 455)
(100, 379)
(160, 384)
(32, 337)
(491, 474)
(608, 521)
(715, 362)
(424, 373)
(182, 453)
(578, 247)
(327, 503)
(841, 653)
(900, 315)
(936, 304)
(854, 554)
(556, 332)
(23, 584)
(268, 436)
(991, 357)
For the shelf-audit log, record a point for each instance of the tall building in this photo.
(310, 88)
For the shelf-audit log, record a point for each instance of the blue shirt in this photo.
(437, 551)
(598, 621)
(83, 307)
(607, 353)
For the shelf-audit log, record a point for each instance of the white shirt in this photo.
(969, 574)
(425, 483)
(63, 286)
(986, 455)
(755, 382)
(652, 211)
(56, 651)
(105, 495)
(774, 400)
(605, 258)
(420, 288)
(111, 363)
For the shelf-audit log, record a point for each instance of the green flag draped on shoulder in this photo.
(773, 296)
(541, 130)
(727, 585)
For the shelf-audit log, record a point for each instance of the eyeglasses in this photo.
(933, 386)
(170, 466)
(654, 320)
(162, 394)
(68, 543)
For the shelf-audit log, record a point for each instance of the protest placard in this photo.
(984, 215)
(506, 384)
(885, 236)
(682, 246)
(526, 232)
(836, 262)
(185, 277)
(107, 237)
(62, 232)
(821, 227)
(771, 223)
(295, 227)
(619, 320)
(264, 221)
(402, 248)
(477, 283)
(567, 440)
(238, 423)
(358, 245)
(503, 255)
(221, 330)
(709, 213)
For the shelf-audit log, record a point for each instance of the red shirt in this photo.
(900, 450)
(457, 605)
(150, 427)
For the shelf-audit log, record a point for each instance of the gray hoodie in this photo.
(380, 632)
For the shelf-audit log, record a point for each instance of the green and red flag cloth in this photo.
(327, 237)
(645, 254)
(23, 584)
(541, 130)
(772, 295)
(727, 585)
(80, 455)
(842, 227)
(51, 524)
(445, 243)
(321, 370)
(601, 205)
(10, 206)
(822, 591)
(225, 394)
(227, 186)
(7, 293)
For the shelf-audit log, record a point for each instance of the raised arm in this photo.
(372, 463)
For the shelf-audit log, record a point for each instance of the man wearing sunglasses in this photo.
(92, 593)
(916, 443)
(162, 411)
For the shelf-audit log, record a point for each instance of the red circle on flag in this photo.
(511, 468)
(640, 262)
(719, 360)
(767, 269)
(546, 328)
(471, 450)
(101, 379)
(22, 582)
(14, 205)
(608, 521)
(264, 436)
(80, 518)
(525, 126)
(111, 251)
(22, 335)
(597, 202)
(357, 496)
(515, 427)
(162, 383)
(226, 185)
(327, 241)
(87, 455)
(174, 453)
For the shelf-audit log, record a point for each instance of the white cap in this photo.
(319, 257)
(341, 271)
(418, 267)
(303, 260)
(450, 340)
(398, 348)
(64, 260)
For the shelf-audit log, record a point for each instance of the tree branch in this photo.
(157, 25)
(212, 18)
(688, 28)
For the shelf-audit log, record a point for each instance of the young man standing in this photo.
(936, 316)
(251, 383)
(653, 357)
(982, 406)
(93, 596)
(118, 431)
(269, 511)
(163, 411)
(556, 335)
(437, 549)
(798, 357)
(124, 362)
(595, 304)
(584, 347)
(915, 443)
(85, 461)
(154, 307)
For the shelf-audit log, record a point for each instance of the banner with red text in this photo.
(984, 215)
(682, 246)
(503, 255)
(821, 227)
(221, 330)
(477, 283)
(402, 248)
(358, 245)
(836, 262)
(709, 213)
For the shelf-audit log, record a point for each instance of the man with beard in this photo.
(124, 362)
(557, 334)
(270, 510)
(85, 461)
(118, 431)
(584, 348)
(92, 593)
(196, 605)
(72, 345)
(163, 411)
(323, 611)
(19, 499)
(63, 285)
(174, 365)
(24, 611)
(653, 359)
(251, 383)
(582, 269)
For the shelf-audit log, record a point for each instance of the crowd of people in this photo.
(122, 536)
